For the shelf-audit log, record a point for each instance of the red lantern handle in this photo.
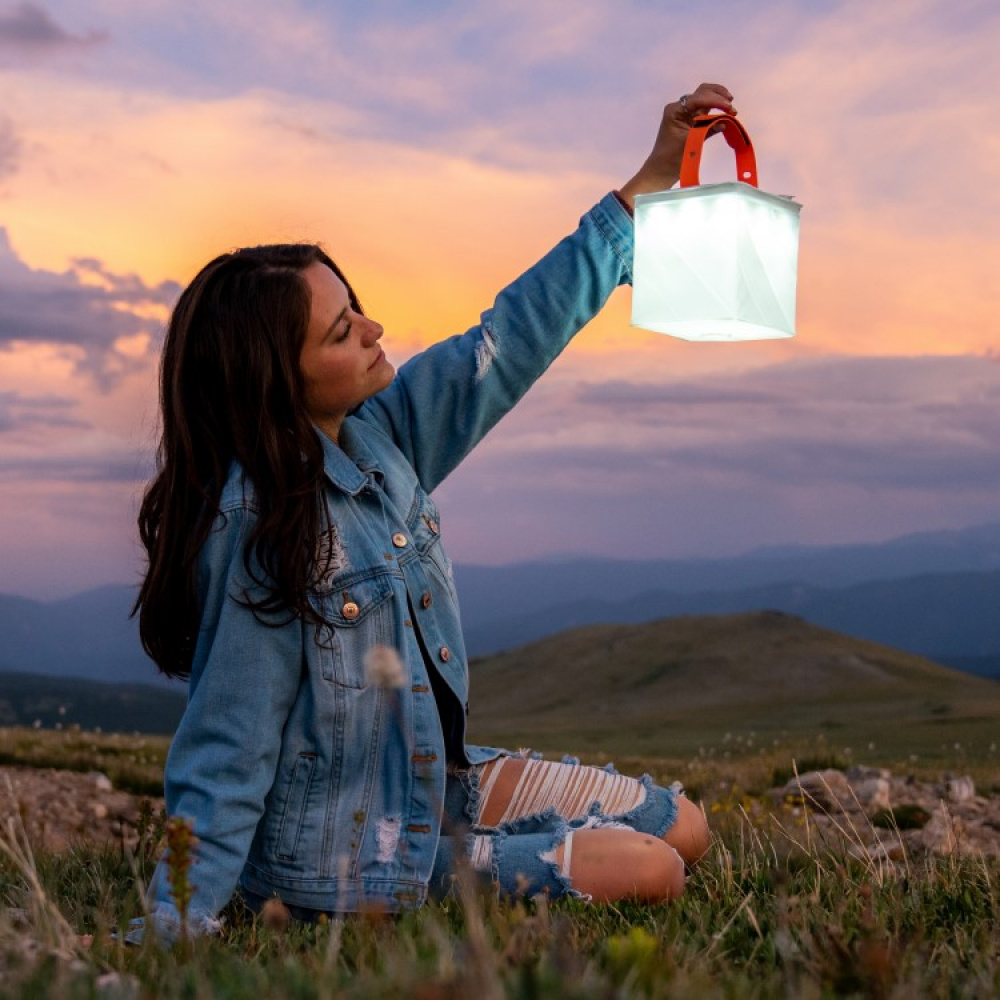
(738, 139)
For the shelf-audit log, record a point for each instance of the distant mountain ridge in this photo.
(934, 594)
(522, 587)
(950, 618)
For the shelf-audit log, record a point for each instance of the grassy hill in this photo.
(678, 687)
(48, 701)
(680, 684)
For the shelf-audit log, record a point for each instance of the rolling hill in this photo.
(933, 594)
(679, 684)
(666, 688)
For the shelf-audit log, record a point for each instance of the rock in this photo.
(873, 793)
(102, 782)
(943, 833)
(873, 814)
(960, 789)
(859, 773)
(59, 807)
(827, 790)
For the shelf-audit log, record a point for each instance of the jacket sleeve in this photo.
(443, 401)
(224, 756)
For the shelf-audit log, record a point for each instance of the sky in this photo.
(437, 149)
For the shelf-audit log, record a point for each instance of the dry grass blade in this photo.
(49, 927)
(720, 934)
(483, 980)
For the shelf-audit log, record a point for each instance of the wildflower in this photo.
(181, 842)
(384, 668)
(275, 916)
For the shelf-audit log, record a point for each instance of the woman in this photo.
(296, 575)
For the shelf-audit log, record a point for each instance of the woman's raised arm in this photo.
(447, 398)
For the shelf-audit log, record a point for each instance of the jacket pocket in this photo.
(293, 815)
(358, 614)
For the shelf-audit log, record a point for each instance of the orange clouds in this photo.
(437, 150)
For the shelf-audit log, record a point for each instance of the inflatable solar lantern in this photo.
(716, 261)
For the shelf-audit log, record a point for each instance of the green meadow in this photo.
(769, 913)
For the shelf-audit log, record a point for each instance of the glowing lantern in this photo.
(716, 261)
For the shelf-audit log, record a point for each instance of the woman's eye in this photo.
(345, 334)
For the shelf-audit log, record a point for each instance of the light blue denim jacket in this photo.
(300, 777)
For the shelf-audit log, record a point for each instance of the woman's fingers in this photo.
(708, 97)
(663, 165)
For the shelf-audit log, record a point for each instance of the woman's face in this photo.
(341, 361)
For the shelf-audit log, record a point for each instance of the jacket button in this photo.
(425, 599)
(445, 654)
(350, 610)
(399, 540)
(433, 525)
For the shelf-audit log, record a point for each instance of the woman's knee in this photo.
(689, 835)
(612, 864)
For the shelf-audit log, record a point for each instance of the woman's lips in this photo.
(379, 357)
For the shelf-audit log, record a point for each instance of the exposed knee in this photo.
(612, 864)
(662, 871)
(689, 835)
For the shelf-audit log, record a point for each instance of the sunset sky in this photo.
(437, 148)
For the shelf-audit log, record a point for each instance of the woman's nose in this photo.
(373, 330)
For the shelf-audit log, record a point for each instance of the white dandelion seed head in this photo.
(384, 668)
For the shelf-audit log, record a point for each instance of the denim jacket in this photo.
(303, 779)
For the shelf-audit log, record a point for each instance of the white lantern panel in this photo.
(716, 262)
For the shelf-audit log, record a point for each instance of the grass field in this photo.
(766, 915)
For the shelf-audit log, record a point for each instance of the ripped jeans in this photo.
(548, 804)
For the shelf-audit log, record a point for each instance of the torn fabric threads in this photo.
(331, 556)
(387, 839)
(568, 789)
(486, 353)
(481, 854)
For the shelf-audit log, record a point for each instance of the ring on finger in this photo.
(684, 101)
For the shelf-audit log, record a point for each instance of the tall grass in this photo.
(773, 912)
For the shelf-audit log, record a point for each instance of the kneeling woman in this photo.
(296, 575)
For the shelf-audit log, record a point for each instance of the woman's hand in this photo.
(662, 168)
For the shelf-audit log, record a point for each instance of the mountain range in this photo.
(932, 594)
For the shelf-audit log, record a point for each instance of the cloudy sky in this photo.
(437, 148)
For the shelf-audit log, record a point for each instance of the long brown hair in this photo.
(231, 389)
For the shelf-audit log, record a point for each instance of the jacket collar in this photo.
(348, 464)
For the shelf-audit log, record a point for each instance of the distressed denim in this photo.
(520, 859)
(301, 778)
(520, 855)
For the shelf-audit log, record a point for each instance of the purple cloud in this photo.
(38, 306)
(27, 26)
(121, 466)
(840, 449)
(18, 412)
(10, 148)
